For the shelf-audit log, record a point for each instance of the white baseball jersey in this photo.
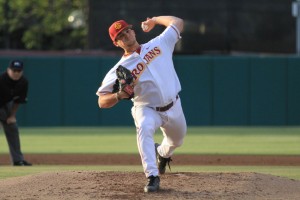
(156, 82)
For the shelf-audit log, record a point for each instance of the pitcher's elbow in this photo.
(103, 104)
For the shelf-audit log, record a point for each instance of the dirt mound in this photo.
(83, 185)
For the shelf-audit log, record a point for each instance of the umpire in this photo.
(13, 91)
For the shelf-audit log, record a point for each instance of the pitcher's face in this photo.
(126, 38)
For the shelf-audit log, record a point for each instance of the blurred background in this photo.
(237, 59)
(215, 26)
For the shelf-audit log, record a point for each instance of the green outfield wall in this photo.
(216, 90)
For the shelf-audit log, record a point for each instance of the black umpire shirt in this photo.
(12, 90)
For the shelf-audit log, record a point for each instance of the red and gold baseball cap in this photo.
(116, 28)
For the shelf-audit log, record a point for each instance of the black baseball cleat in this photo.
(22, 163)
(153, 184)
(161, 161)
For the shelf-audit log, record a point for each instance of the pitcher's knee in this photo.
(176, 144)
(179, 143)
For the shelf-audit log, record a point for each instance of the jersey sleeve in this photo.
(170, 36)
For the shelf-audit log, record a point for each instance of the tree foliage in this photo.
(42, 25)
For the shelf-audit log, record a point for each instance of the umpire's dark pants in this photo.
(12, 134)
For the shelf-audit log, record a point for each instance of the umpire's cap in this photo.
(16, 65)
(116, 28)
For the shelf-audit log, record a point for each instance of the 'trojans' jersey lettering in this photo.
(138, 70)
(152, 54)
(140, 67)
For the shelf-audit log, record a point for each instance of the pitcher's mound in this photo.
(84, 185)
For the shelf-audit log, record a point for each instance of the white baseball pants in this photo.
(147, 120)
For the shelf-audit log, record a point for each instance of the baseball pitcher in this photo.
(146, 75)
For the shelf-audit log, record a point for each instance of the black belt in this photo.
(167, 107)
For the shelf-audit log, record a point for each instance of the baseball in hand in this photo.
(144, 27)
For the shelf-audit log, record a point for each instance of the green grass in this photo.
(199, 140)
